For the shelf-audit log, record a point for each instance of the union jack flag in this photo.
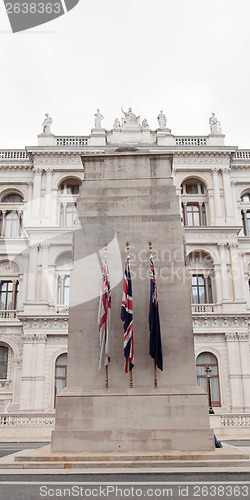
(127, 318)
(104, 317)
(155, 349)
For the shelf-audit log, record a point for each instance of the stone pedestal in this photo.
(130, 197)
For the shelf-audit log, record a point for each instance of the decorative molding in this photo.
(231, 336)
(194, 158)
(59, 323)
(34, 338)
(59, 159)
(243, 336)
(208, 339)
(204, 320)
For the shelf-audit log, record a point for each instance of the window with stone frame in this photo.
(194, 202)
(60, 374)
(63, 266)
(203, 361)
(201, 289)
(201, 269)
(67, 195)
(63, 285)
(4, 355)
(8, 295)
(11, 215)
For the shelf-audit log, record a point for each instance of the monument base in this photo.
(134, 420)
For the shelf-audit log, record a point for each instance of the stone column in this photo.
(27, 386)
(218, 209)
(28, 213)
(245, 229)
(48, 192)
(32, 379)
(228, 198)
(41, 340)
(236, 272)
(185, 213)
(25, 276)
(211, 208)
(3, 223)
(37, 193)
(233, 185)
(218, 283)
(32, 272)
(245, 368)
(237, 399)
(45, 265)
(224, 276)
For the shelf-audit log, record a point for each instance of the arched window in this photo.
(11, 215)
(60, 374)
(68, 193)
(4, 352)
(194, 198)
(204, 360)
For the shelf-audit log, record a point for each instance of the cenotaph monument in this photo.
(128, 195)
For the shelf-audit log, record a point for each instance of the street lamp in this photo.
(208, 372)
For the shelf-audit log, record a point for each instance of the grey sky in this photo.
(188, 57)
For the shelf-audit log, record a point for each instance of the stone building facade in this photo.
(39, 188)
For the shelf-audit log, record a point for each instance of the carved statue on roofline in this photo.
(215, 126)
(47, 124)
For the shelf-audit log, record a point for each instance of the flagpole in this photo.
(107, 366)
(155, 367)
(155, 375)
(131, 384)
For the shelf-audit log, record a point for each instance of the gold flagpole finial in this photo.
(127, 246)
(106, 249)
(150, 246)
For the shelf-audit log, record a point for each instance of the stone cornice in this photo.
(221, 321)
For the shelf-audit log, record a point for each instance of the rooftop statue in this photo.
(116, 123)
(145, 123)
(98, 119)
(215, 126)
(162, 120)
(47, 124)
(130, 118)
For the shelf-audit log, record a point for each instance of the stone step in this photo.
(125, 464)
(99, 458)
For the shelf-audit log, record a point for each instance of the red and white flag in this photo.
(104, 314)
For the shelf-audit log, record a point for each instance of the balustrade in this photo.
(27, 419)
(72, 141)
(191, 141)
(14, 154)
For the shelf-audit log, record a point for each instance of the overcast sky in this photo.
(187, 57)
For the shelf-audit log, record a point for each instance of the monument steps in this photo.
(43, 458)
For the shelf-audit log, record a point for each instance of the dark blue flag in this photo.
(155, 349)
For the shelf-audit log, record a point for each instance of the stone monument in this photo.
(130, 196)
